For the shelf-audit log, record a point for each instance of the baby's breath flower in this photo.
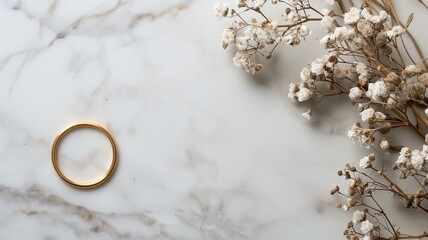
(328, 41)
(292, 16)
(366, 14)
(382, 17)
(344, 33)
(305, 75)
(328, 23)
(379, 116)
(307, 114)
(384, 144)
(365, 162)
(357, 134)
(293, 88)
(367, 139)
(424, 152)
(358, 217)
(395, 31)
(411, 70)
(292, 40)
(221, 10)
(366, 227)
(417, 159)
(391, 103)
(403, 157)
(377, 91)
(304, 31)
(241, 60)
(228, 36)
(355, 93)
(345, 207)
(361, 69)
(350, 188)
(367, 114)
(242, 42)
(304, 94)
(317, 66)
(352, 16)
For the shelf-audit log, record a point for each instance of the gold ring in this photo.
(55, 155)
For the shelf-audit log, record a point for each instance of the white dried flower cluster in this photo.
(356, 191)
(326, 75)
(318, 69)
(366, 227)
(299, 92)
(364, 73)
(395, 32)
(360, 135)
(359, 22)
(370, 114)
(352, 16)
(412, 159)
(221, 10)
(380, 18)
(377, 91)
(359, 216)
(328, 23)
(355, 93)
(255, 38)
(366, 161)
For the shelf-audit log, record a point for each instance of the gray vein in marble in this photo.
(35, 202)
(33, 51)
(80, 21)
(172, 11)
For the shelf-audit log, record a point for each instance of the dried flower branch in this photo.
(258, 36)
(361, 189)
(369, 59)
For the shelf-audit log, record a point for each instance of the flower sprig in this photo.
(370, 220)
(258, 36)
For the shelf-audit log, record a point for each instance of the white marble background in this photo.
(206, 151)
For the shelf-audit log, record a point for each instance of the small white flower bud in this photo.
(384, 144)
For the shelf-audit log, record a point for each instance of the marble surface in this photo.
(205, 151)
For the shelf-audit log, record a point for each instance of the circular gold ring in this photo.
(55, 155)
